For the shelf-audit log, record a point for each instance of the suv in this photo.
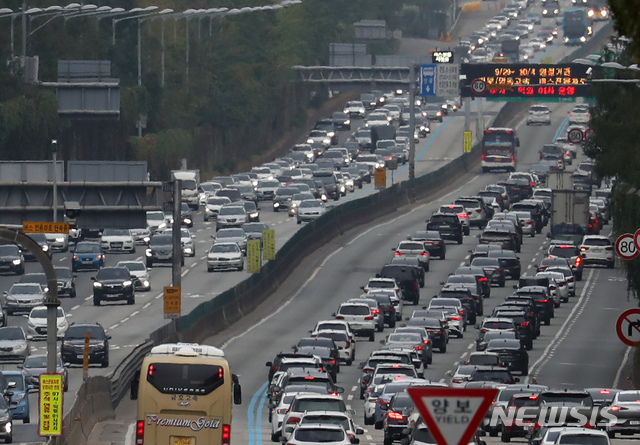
(407, 279)
(72, 348)
(113, 283)
(449, 226)
(160, 250)
(597, 249)
(359, 317)
(475, 207)
(66, 282)
(327, 180)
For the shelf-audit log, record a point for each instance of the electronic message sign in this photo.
(525, 80)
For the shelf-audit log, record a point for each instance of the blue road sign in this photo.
(428, 79)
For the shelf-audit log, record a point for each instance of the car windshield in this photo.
(27, 288)
(77, 332)
(224, 248)
(161, 240)
(17, 380)
(319, 435)
(497, 325)
(355, 310)
(231, 211)
(230, 233)
(311, 204)
(252, 228)
(116, 232)
(88, 248)
(405, 337)
(133, 265)
(12, 333)
(113, 273)
(596, 242)
(218, 201)
(63, 272)
(582, 439)
(492, 376)
(155, 216)
(41, 312)
(9, 250)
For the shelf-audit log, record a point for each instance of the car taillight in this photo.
(339, 317)
(524, 323)
(483, 331)
(383, 402)
(375, 311)
(584, 248)
(456, 381)
(226, 434)
(140, 432)
(426, 342)
(483, 279)
(478, 210)
(423, 253)
(578, 261)
(394, 415)
(527, 223)
(399, 253)
(513, 158)
(333, 362)
(609, 248)
(293, 419)
(544, 301)
(482, 157)
(368, 317)
(283, 410)
(348, 344)
(418, 348)
(455, 317)
(463, 215)
(415, 284)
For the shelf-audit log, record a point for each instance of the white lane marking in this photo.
(456, 363)
(470, 346)
(463, 263)
(529, 266)
(75, 307)
(616, 380)
(134, 313)
(564, 329)
(463, 356)
(441, 380)
(286, 303)
(128, 438)
(146, 305)
(354, 388)
(114, 326)
(183, 274)
(350, 397)
(88, 298)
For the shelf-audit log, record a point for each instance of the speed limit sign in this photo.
(626, 246)
(478, 86)
(575, 135)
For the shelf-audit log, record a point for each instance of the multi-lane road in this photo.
(579, 349)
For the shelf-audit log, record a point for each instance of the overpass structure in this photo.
(354, 77)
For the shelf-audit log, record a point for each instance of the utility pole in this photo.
(412, 121)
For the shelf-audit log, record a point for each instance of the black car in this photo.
(536, 211)
(44, 244)
(525, 330)
(511, 354)
(329, 362)
(412, 261)
(526, 305)
(407, 279)
(274, 365)
(6, 420)
(341, 121)
(507, 240)
(449, 226)
(327, 181)
(509, 262)
(396, 420)
(186, 217)
(433, 241)
(328, 126)
(469, 302)
(160, 250)
(543, 301)
(66, 282)
(11, 259)
(437, 332)
(482, 250)
(493, 268)
(494, 374)
(323, 342)
(113, 284)
(386, 307)
(282, 198)
(482, 278)
(72, 348)
(484, 337)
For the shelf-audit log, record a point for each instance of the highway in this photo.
(335, 274)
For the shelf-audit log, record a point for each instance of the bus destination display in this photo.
(525, 80)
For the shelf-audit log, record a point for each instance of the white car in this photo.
(326, 418)
(359, 317)
(213, 206)
(579, 115)
(597, 249)
(141, 235)
(140, 273)
(332, 325)
(117, 240)
(59, 242)
(308, 433)
(345, 343)
(319, 136)
(559, 287)
(206, 190)
(378, 119)
(186, 240)
(539, 115)
(304, 402)
(231, 215)
(461, 376)
(37, 322)
(157, 221)
(382, 283)
(415, 249)
(225, 256)
(309, 210)
(355, 109)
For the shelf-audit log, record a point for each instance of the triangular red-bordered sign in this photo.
(452, 414)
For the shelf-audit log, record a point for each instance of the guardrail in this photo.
(98, 395)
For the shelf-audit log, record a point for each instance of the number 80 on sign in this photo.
(626, 247)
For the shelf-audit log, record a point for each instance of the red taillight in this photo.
(455, 317)
(348, 345)
(544, 301)
(293, 419)
(308, 377)
(605, 391)
(75, 257)
(399, 253)
(368, 317)
(578, 261)
(527, 223)
(483, 279)
(532, 184)
(415, 284)
(394, 415)
(526, 323)
(608, 248)
(478, 210)
(140, 432)
(426, 342)
(424, 253)
(375, 311)
(333, 362)
(383, 402)
(339, 317)
(150, 370)
(482, 156)
(513, 158)
(614, 408)
(463, 215)
(418, 348)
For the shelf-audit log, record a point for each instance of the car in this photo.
(213, 206)
(449, 226)
(225, 256)
(72, 347)
(493, 268)
(579, 115)
(11, 259)
(231, 215)
(113, 284)
(310, 210)
(475, 208)
(542, 299)
(22, 297)
(497, 374)
(360, 319)
(355, 109)
(625, 407)
(320, 137)
(341, 120)
(160, 250)
(6, 421)
(157, 221)
(232, 235)
(433, 112)
(283, 197)
(117, 240)
(376, 311)
(36, 364)
(87, 255)
(254, 230)
(509, 262)
(460, 211)
(37, 322)
(186, 240)
(186, 215)
(400, 418)
(44, 244)
(325, 433)
(416, 249)
(437, 332)
(511, 354)
(20, 397)
(14, 344)
(328, 418)
(329, 128)
(597, 249)
(139, 273)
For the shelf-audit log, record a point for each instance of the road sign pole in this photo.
(176, 265)
(467, 113)
(479, 123)
(412, 122)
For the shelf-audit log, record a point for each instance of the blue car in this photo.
(20, 394)
(87, 255)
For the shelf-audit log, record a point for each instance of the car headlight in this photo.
(127, 283)
(326, 141)
(17, 262)
(323, 197)
(331, 134)
(345, 111)
(45, 248)
(162, 226)
(187, 220)
(254, 215)
(20, 396)
(145, 283)
(146, 239)
(310, 155)
(439, 113)
(583, 39)
(309, 141)
(276, 204)
(347, 122)
(19, 347)
(342, 188)
(10, 298)
(389, 118)
(97, 284)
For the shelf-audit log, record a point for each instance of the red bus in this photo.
(499, 149)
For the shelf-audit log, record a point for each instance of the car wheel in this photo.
(460, 240)
(467, 231)
(443, 349)
(547, 322)
(392, 324)
(131, 300)
(74, 269)
(372, 336)
(506, 437)
(460, 335)
(442, 256)
(275, 437)
(502, 283)
(73, 293)
(299, 222)
(206, 219)
(611, 434)
(380, 327)
(9, 439)
(611, 264)
(27, 419)
(529, 345)
(96, 301)
(149, 263)
(105, 363)
(387, 440)
(209, 269)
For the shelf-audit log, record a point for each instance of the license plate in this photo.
(634, 422)
(81, 356)
(181, 440)
(86, 260)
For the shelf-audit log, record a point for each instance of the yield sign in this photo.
(452, 414)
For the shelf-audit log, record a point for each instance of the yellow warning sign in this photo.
(254, 260)
(269, 244)
(467, 142)
(172, 302)
(44, 227)
(380, 178)
(51, 395)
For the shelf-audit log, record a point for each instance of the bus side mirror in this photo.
(237, 390)
(135, 383)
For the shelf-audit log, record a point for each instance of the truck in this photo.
(569, 215)
(189, 188)
(575, 27)
(510, 50)
(380, 132)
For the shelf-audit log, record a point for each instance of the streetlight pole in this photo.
(54, 150)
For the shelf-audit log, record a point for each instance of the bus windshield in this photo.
(185, 378)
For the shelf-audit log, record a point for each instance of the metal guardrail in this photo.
(121, 377)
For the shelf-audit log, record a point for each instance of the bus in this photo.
(184, 392)
(499, 149)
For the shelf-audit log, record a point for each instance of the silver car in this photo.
(225, 256)
(14, 344)
(309, 210)
(22, 297)
(230, 235)
(139, 272)
(188, 246)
